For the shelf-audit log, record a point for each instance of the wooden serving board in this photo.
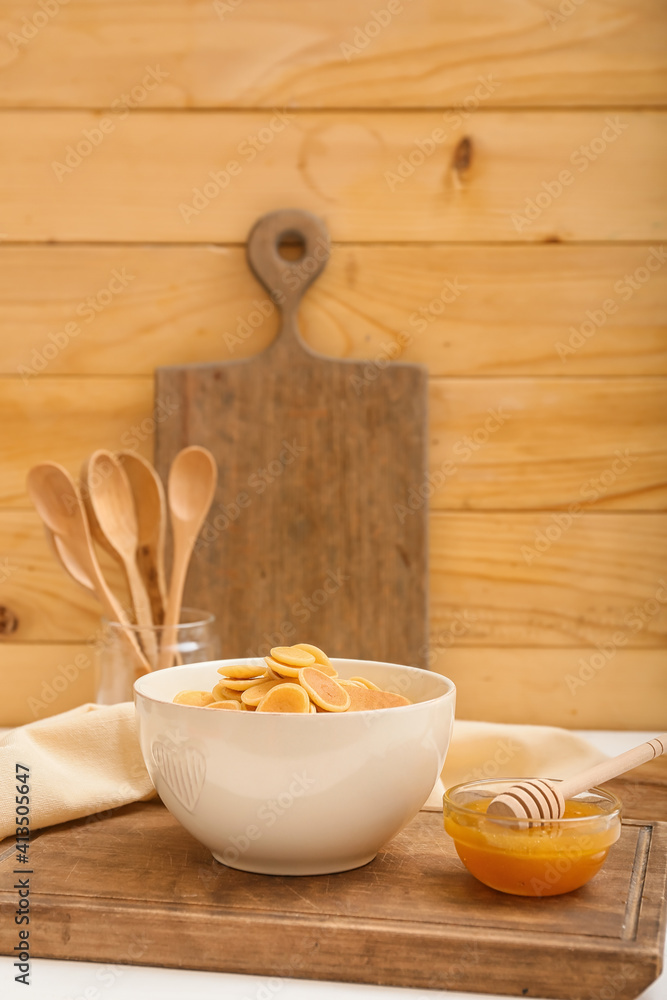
(318, 529)
(134, 887)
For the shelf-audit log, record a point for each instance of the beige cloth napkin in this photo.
(81, 762)
(88, 760)
(494, 750)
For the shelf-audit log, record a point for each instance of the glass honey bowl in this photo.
(543, 857)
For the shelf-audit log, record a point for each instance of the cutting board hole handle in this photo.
(291, 246)
(287, 250)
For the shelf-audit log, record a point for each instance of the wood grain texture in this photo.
(599, 579)
(172, 292)
(498, 443)
(583, 688)
(53, 678)
(494, 443)
(458, 934)
(643, 791)
(509, 310)
(139, 182)
(249, 55)
(311, 465)
(64, 420)
(39, 602)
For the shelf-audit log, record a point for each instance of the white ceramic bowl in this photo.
(288, 794)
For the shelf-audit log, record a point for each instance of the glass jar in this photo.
(541, 857)
(191, 641)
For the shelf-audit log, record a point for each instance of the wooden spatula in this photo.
(311, 535)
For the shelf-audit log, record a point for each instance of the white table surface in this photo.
(56, 980)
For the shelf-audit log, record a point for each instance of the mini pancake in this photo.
(285, 698)
(280, 669)
(198, 698)
(292, 656)
(234, 685)
(367, 684)
(222, 693)
(320, 656)
(326, 692)
(365, 700)
(231, 706)
(240, 671)
(254, 695)
(327, 668)
(323, 664)
(349, 684)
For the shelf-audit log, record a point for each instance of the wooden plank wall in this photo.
(493, 176)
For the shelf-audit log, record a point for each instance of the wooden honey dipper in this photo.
(538, 799)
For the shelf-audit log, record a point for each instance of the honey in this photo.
(545, 858)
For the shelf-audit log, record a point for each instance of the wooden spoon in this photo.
(59, 504)
(113, 522)
(150, 505)
(192, 480)
(541, 799)
(67, 561)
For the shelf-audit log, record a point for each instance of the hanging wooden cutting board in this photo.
(311, 536)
